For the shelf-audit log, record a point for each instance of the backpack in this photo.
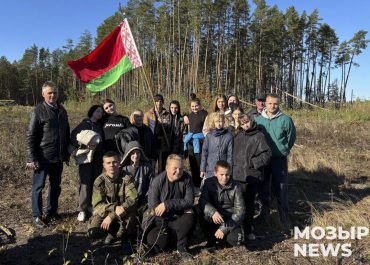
(124, 136)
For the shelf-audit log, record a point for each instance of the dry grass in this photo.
(330, 173)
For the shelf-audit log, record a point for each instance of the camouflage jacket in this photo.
(109, 193)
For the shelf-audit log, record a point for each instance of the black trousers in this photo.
(159, 234)
(276, 180)
(194, 161)
(234, 238)
(249, 194)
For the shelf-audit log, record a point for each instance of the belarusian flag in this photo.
(115, 55)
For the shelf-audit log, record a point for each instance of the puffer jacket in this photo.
(251, 153)
(218, 145)
(48, 134)
(227, 200)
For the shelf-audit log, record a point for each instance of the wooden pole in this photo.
(301, 99)
(245, 102)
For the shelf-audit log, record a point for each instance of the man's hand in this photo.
(160, 209)
(217, 218)
(32, 165)
(202, 174)
(219, 234)
(119, 210)
(186, 120)
(106, 223)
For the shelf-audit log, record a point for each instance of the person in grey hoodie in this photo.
(136, 164)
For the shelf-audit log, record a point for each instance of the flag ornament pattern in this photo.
(115, 55)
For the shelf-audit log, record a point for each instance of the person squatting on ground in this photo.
(114, 200)
(251, 154)
(91, 167)
(194, 138)
(112, 123)
(170, 202)
(222, 208)
(280, 134)
(137, 165)
(218, 145)
(47, 143)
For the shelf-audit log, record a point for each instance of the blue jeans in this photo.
(54, 170)
(276, 179)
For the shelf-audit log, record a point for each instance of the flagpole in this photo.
(245, 102)
(155, 107)
(301, 100)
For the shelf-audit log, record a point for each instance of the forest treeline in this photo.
(206, 47)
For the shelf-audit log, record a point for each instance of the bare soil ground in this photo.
(329, 185)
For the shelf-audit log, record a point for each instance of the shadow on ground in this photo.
(49, 250)
(308, 191)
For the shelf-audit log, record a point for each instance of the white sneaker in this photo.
(251, 236)
(81, 216)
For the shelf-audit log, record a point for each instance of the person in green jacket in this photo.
(114, 200)
(280, 134)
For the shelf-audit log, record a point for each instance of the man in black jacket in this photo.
(222, 207)
(170, 198)
(47, 142)
(260, 104)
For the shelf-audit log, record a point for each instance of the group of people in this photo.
(132, 174)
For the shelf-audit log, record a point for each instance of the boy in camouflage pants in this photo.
(114, 200)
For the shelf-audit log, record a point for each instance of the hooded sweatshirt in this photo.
(279, 131)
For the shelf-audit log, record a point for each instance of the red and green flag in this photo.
(115, 55)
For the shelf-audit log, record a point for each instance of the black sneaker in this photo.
(37, 222)
(184, 255)
(95, 233)
(109, 239)
(52, 217)
(209, 247)
(126, 247)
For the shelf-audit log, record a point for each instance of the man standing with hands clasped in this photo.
(280, 134)
(47, 141)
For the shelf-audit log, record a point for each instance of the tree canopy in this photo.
(203, 47)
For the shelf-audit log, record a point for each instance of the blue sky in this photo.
(49, 24)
